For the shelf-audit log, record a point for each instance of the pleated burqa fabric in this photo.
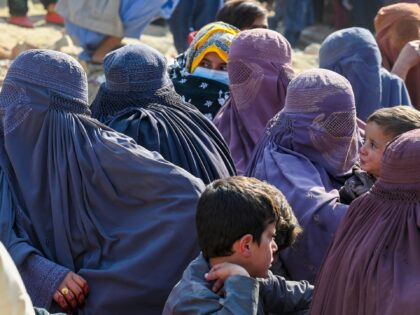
(354, 53)
(372, 266)
(138, 99)
(85, 198)
(307, 152)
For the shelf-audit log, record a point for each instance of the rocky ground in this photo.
(14, 39)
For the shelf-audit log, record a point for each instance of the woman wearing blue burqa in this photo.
(308, 151)
(139, 100)
(88, 216)
(354, 53)
(98, 26)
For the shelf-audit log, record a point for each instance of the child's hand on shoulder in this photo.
(220, 272)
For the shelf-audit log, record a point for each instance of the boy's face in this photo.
(262, 255)
(373, 148)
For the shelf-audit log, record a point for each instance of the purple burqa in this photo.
(78, 196)
(372, 266)
(307, 151)
(260, 68)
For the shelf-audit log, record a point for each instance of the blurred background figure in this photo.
(19, 9)
(190, 16)
(298, 15)
(363, 12)
(278, 14)
(354, 53)
(398, 35)
(244, 14)
(99, 26)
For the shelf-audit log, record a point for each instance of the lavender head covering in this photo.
(259, 70)
(372, 266)
(354, 53)
(139, 100)
(307, 151)
(78, 196)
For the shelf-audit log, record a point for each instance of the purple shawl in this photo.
(86, 197)
(372, 266)
(307, 151)
(259, 71)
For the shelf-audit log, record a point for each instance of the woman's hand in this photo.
(72, 292)
(408, 58)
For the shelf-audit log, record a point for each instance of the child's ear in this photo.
(245, 245)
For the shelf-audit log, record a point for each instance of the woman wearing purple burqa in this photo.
(307, 152)
(94, 222)
(372, 266)
(260, 68)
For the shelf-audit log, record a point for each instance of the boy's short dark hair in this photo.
(232, 207)
(241, 13)
(396, 120)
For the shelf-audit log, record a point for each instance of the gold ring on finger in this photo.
(65, 291)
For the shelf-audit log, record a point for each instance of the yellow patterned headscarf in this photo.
(214, 37)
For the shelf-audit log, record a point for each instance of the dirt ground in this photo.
(14, 38)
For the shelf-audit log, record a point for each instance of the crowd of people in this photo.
(223, 183)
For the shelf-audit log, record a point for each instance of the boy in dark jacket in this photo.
(241, 223)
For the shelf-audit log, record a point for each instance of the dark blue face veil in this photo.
(138, 99)
(87, 198)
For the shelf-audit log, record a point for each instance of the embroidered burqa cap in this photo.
(354, 53)
(138, 99)
(60, 75)
(372, 266)
(260, 68)
(396, 25)
(307, 151)
(88, 198)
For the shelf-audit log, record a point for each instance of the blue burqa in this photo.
(307, 152)
(139, 100)
(78, 196)
(354, 53)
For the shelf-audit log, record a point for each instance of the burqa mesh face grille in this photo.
(340, 124)
(240, 72)
(14, 107)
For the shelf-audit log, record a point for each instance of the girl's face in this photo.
(373, 148)
(212, 61)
